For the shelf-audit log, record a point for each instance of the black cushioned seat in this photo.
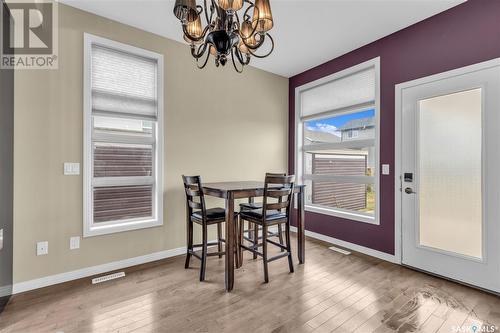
(256, 214)
(213, 215)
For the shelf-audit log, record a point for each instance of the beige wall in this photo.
(220, 124)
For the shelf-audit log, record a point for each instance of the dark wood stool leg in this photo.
(264, 252)
(219, 237)
(250, 230)
(204, 253)
(241, 230)
(255, 238)
(189, 241)
(288, 246)
(237, 249)
(280, 236)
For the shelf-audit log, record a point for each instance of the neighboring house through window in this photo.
(337, 147)
(123, 134)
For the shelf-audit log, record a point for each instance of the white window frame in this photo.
(299, 135)
(89, 227)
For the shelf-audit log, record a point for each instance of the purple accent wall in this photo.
(461, 36)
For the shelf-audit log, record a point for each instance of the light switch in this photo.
(385, 169)
(71, 169)
(74, 243)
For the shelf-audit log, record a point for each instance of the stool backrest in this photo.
(270, 174)
(278, 188)
(194, 195)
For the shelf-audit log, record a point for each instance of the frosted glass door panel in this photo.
(450, 195)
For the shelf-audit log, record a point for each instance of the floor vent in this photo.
(339, 250)
(108, 277)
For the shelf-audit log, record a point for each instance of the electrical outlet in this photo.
(42, 248)
(74, 243)
(71, 169)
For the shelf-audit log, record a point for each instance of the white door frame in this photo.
(398, 139)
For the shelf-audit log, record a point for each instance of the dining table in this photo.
(230, 191)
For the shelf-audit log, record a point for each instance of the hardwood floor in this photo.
(330, 293)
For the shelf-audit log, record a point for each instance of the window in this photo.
(337, 143)
(122, 137)
(352, 134)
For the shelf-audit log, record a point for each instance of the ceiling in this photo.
(307, 32)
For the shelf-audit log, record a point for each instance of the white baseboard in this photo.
(89, 271)
(5, 290)
(120, 264)
(351, 246)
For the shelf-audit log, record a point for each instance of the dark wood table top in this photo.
(238, 185)
(241, 189)
(234, 186)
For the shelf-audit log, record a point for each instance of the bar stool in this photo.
(251, 205)
(196, 212)
(279, 189)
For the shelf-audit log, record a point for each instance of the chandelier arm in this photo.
(251, 5)
(206, 11)
(246, 16)
(256, 46)
(237, 20)
(268, 53)
(239, 55)
(234, 62)
(204, 62)
(199, 53)
(212, 11)
(247, 59)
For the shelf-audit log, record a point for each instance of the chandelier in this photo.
(225, 34)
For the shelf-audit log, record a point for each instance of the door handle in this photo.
(409, 190)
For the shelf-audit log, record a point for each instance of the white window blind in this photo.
(337, 143)
(123, 137)
(123, 83)
(354, 89)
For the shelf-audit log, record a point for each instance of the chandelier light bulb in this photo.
(194, 29)
(247, 33)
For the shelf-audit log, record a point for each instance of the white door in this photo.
(450, 174)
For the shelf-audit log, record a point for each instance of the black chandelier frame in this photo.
(227, 21)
